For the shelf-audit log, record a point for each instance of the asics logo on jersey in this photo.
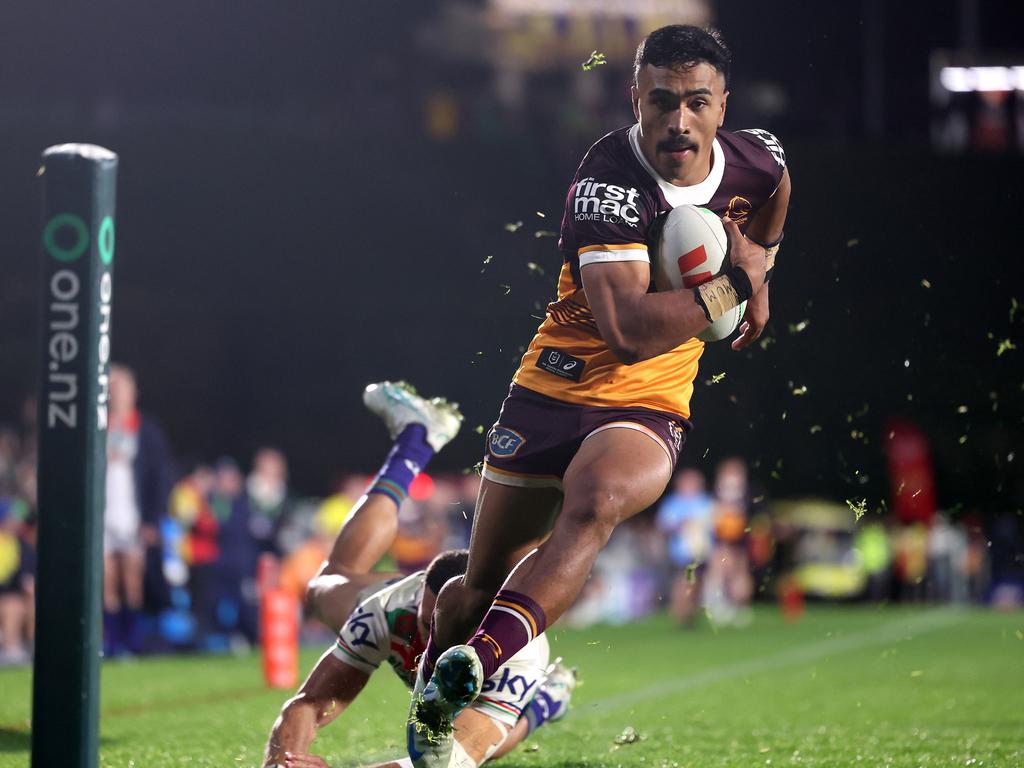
(598, 201)
(504, 442)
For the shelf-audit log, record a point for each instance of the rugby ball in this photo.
(692, 249)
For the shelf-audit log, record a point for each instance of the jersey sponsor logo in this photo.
(771, 143)
(503, 442)
(509, 684)
(359, 629)
(609, 203)
(559, 363)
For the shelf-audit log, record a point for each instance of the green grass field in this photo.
(843, 687)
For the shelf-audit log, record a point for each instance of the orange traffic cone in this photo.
(279, 627)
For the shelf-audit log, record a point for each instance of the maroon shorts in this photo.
(537, 436)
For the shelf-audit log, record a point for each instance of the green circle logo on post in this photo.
(106, 240)
(78, 229)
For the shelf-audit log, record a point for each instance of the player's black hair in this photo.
(682, 45)
(445, 566)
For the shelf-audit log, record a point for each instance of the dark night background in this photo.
(289, 230)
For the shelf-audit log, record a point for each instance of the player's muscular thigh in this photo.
(615, 474)
(509, 522)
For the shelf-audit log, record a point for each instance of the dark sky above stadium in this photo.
(291, 226)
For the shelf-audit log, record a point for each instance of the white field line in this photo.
(887, 633)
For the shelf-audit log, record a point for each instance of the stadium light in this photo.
(976, 79)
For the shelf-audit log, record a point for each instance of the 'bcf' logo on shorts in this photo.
(503, 442)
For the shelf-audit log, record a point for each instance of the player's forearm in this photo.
(518, 733)
(767, 225)
(652, 324)
(294, 731)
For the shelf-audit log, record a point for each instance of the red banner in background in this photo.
(912, 497)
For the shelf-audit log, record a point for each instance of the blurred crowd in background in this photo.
(501, 86)
(183, 541)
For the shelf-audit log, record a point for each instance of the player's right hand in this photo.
(745, 254)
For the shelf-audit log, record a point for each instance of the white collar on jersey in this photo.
(695, 194)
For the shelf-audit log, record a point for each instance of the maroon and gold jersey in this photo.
(614, 200)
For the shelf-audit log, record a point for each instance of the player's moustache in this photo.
(675, 145)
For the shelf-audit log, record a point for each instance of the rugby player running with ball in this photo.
(599, 408)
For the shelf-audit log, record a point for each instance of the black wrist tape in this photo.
(699, 298)
(740, 283)
(773, 244)
(718, 296)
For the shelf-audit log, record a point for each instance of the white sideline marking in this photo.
(887, 633)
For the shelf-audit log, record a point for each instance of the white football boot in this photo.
(398, 404)
(556, 691)
(430, 732)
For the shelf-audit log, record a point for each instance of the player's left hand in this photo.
(292, 760)
(755, 318)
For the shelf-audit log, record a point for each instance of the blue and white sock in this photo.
(541, 709)
(409, 456)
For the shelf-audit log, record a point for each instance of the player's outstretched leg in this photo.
(420, 428)
(615, 474)
(509, 523)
